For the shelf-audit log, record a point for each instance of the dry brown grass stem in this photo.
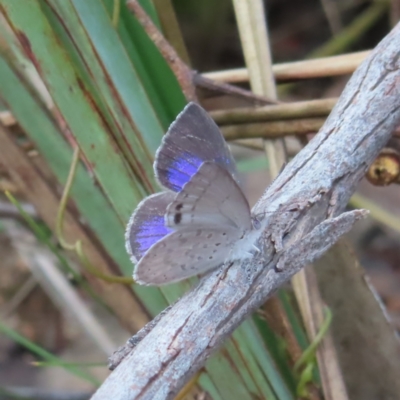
(182, 72)
(301, 109)
(273, 129)
(291, 71)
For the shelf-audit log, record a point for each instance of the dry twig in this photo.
(306, 69)
(299, 109)
(272, 129)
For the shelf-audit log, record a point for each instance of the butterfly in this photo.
(202, 219)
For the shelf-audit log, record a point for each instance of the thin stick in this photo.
(253, 31)
(272, 130)
(181, 70)
(221, 87)
(307, 69)
(254, 38)
(300, 109)
(171, 29)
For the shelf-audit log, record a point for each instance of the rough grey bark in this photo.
(301, 218)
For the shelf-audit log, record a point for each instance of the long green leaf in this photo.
(75, 105)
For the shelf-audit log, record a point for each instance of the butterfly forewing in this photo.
(210, 198)
(147, 224)
(191, 140)
(185, 253)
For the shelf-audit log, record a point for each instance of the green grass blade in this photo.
(157, 78)
(75, 105)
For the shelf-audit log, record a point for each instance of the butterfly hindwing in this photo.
(211, 198)
(147, 224)
(185, 253)
(193, 138)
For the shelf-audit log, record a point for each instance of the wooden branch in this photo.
(300, 218)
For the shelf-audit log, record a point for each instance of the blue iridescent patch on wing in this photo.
(146, 226)
(182, 169)
(150, 232)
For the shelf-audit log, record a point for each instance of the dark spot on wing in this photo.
(178, 206)
(177, 218)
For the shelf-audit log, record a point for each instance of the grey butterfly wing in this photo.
(185, 253)
(193, 138)
(211, 198)
(147, 224)
(209, 216)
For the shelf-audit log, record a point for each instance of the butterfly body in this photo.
(206, 222)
